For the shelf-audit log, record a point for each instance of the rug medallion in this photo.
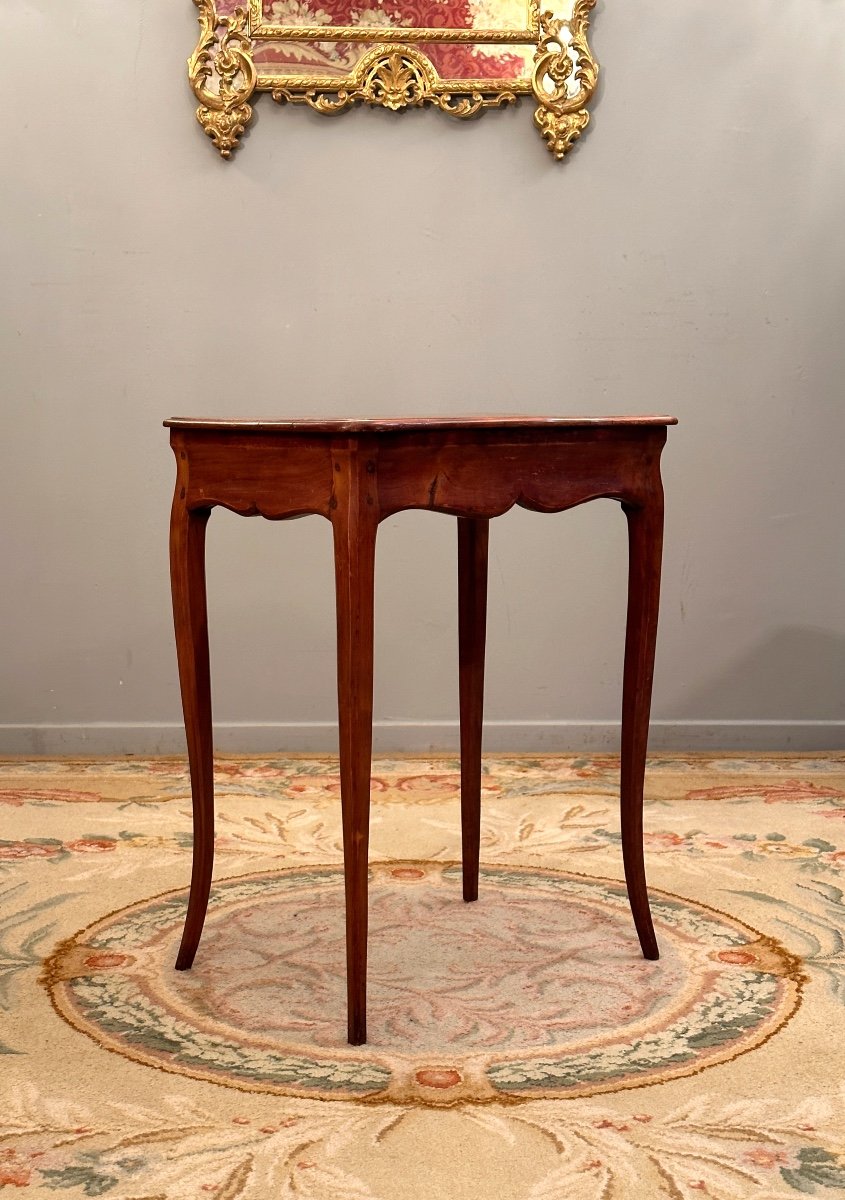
(538, 990)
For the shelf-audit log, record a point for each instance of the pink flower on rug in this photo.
(603, 766)
(161, 766)
(762, 1156)
(16, 797)
(10, 850)
(664, 840)
(434, 1077)
(328, 785)
(92, 845)
(15, 1176)
(230, 769)
(741, 957)
(105, 960)
(430, 785)
(14, 1172)
(791, 791)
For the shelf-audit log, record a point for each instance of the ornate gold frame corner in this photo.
(223, 59)
(564, 57)
(394, 75)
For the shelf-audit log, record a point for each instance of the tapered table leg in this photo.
(472, 633)
(645, 548)
(187, 578)
(355, 523)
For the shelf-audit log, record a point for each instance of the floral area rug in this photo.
(519, 1047)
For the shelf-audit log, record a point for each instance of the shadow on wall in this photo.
(797, 669)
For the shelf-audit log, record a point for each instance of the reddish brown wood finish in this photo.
(354, 514)
(645, 551)
(187, 574)
(472, 636)
(356, 473)
(406, 424)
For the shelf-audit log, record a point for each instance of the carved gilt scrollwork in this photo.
(223, 58)
(396, 80)
(563, 59)
(393, 75)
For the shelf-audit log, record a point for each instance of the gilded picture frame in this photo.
(460, 56)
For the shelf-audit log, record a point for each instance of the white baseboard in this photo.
(421, 736)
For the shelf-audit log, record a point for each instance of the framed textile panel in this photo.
(461, 56)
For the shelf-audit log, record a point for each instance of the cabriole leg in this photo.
(645, 547)
(187, 578)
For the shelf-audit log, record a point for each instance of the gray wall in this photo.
(688, 257)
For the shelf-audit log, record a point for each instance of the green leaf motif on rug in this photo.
(20, 955)
(815, 932)
(818, 1168)
(92, 1182)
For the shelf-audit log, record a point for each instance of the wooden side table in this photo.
(356, 473)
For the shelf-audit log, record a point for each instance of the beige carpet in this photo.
(519, 1047)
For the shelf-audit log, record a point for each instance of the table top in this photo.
(407, 424)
